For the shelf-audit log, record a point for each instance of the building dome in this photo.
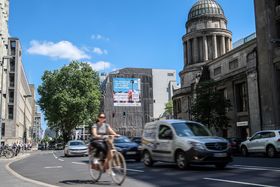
(206, 8)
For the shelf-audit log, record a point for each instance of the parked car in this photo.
(129, 149)
(267, 142)
(137, 139)
(75, 148)
(183, 142)
(59, 146)
(235, 144)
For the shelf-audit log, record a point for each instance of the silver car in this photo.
(267, 142)
(75, 148)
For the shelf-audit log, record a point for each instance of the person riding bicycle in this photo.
(99, 130)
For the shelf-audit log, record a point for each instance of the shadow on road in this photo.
(81, 182)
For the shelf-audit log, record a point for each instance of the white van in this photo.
(183, 142)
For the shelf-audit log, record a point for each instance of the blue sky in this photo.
(110, 34)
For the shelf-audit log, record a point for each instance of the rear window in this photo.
(190, 129)
(76, 143)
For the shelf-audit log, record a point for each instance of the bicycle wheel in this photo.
(94, 169)
(118, 168)
(8, 153)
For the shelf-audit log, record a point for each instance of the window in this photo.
(217, 71)
(257, 136)
(233, 64)
(241, 97)
(3, 129)
(170, 74)
(12, 64)
(12, 80)
(11, 112)
(11, 96)
(165, 132)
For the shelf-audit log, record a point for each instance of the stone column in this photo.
(215, 54)
(195, 50)
(230, 44)
(185, 53)
(205, 48)
(223, 45)
(189, 51)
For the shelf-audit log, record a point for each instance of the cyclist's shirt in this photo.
(101, 129)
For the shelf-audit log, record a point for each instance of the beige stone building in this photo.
(247, 74)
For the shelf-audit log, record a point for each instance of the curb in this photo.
(25, 178)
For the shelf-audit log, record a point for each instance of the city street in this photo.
(53, 168)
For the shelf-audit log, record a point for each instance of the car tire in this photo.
(221, 165)
(181, 160)
(244, 151)
(147, 159)
(270, 151)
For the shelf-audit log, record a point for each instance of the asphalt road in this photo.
(53, 168)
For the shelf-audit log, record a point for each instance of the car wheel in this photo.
(181, 160)
(244, 151)
(270, 151)
(148, 161)
(221, 165)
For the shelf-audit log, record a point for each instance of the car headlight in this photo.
(198, 145)
(139, 148)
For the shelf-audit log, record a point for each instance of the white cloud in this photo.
(62, 50)
(99, 37)
(100, 65)
(99, 51)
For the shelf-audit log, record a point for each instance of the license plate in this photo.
(131, 152)
(220, 154)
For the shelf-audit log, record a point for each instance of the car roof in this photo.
(174, 121)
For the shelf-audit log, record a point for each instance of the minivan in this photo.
(183, 142)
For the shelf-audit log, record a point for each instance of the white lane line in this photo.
(61, 160)
(255, 168)
(80, 163)
(238, 182)
(52, 167)
(54, 155)
(135, 170)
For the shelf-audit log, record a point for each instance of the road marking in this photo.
(80, 163)
(135, 170)
(54, 155)
(255, 168)
(52, 167)
(61, 160)
(237, 182)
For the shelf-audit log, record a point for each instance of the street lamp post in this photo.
(1, 99)
(24, 120)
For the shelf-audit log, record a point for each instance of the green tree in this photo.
(209, 106)
(168, 109)
(70, 96)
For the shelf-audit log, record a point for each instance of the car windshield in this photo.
(122, 140)
(76, 143)
(190, 129)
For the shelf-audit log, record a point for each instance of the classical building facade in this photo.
(135, 96)
(247, 75)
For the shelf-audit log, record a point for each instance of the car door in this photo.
(163, 148)
(253, 142)
(260, 146)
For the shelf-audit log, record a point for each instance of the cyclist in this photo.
(99, 130)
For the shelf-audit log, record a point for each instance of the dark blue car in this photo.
(129, 149)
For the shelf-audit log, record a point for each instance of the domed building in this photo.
(208, 53)
(206, 38)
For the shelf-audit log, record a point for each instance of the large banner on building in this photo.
(126, 91)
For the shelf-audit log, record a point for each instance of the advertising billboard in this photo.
(126, 91)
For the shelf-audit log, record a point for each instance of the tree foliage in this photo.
(70, 96)
(168, 109)
(209, 106)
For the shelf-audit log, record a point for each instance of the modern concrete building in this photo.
(19, 115)
(248, 75)
(134, 96)
(4, 16)
(37, 127)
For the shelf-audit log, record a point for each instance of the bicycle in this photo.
(6, 151)
(117, 164)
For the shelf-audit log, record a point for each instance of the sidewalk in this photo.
(10, 180)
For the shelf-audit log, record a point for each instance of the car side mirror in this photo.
(249, 138)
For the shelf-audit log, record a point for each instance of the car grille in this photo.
(217, 146)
